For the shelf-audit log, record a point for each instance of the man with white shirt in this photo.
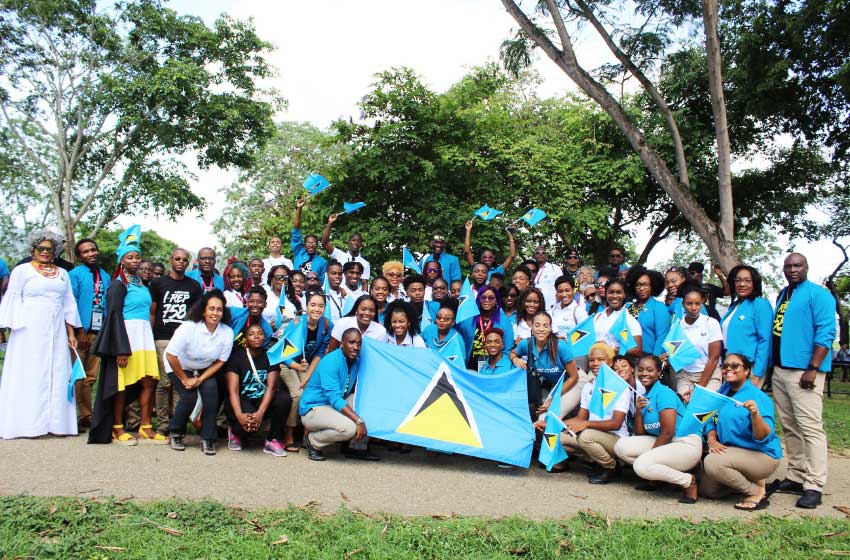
(355, 243)
(546, 275)
(335, 296)
(275, 256)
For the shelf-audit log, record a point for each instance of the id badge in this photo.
(481, 363)
(96, 320)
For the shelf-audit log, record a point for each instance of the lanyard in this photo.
(97, 287)
(254, 369)
(207, 287)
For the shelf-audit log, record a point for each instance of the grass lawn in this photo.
(71, 528)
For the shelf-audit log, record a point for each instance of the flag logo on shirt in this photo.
(441, 413)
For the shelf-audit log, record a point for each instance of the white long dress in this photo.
(37, 367)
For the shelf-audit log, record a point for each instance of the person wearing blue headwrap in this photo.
(126, 347)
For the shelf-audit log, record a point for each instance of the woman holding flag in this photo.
(488, 257)
(489, 316)
(614, 325)
(547, 357)
(441, 335)
(595, 430)
(657, 451)
(315, 331)
(705, 336)
(743, 448)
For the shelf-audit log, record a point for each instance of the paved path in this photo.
(403, 484)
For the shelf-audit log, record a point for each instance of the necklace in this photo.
(134, 281)
(48, 270)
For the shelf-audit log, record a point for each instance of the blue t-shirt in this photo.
(4, 269)
(504, 365)
(735, 426)
(660, 397)
(543, 360)
(137, 303)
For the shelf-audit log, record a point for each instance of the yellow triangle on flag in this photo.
(624, 334)
(608, 397)
(551, 440)
(289, 350)
(441, 413)
(578, 335)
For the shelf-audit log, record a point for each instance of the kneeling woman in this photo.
(657, 452)
(194, 356)
(743, 449)
(254, 393)
(596, 436)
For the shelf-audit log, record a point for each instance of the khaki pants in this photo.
(83, 387)
(166, 398)
(328, 426)
(736, 469)
(667, 463)
(685, 381)
(292, 379)
(597, 445)
(801, 413)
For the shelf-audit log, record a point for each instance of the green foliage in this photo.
(155, 248)
(73, 528)
(101, 102)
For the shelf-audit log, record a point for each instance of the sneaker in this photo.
(208, 446)
(177, 443)
(233, 441)
(274, 447)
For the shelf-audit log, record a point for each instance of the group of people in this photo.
(189, 346)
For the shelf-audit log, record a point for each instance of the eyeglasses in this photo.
(600, 284)
(278, 277)
(487, 298)
(394, 274)
(430, 269)
(643, 285)
(731, 366)
(43, 249)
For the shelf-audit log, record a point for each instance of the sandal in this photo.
(157, 439)
(124, 438)
(292, 447)
(762, 504)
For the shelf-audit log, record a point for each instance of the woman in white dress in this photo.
(40, 310)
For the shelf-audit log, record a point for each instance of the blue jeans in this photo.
(188, 398)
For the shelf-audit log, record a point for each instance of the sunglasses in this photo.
(43, 249)
(277, 277)
(394, 274)
(487, 298)
(731, 366)
(600, 284)
(432, 270)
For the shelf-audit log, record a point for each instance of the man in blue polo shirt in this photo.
(449, 263)
(803, 332)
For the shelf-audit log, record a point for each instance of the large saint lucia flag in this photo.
(607, 390)
(415, 396)
(681, 352)
(702, 409)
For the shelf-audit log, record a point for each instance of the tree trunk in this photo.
(710, 15)
(722, 252)
(659, 234)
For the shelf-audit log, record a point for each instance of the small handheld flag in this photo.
(315, 184)
(551, 450)
(681, 352)
(533, 216)
(467, 306)
(326, 289)
(621, 331)
(409, 261)
(349, 207)
(702, 409)
(607, 390)
(486, 213)
(77, 374)
(291, 345)
(582, 337)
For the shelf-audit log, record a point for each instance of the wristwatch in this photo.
(360, 421)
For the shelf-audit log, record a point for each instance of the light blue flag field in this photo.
(533, 216)
(551, 450)
(467, 306)
(681, 352)
(409, 261)
(701, 411)
(582, 337)
(452, 349)
(129, 240)
(607, 390)
(414, 396)
(349, 207)
(348, 305)
(77, 373)
(621, 331)
(326, 289)
(486, 213)
(291, 344)
(316, 183)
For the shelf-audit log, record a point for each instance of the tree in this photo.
(717, 235)
(102, 101)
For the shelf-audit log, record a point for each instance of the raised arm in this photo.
(299, 205)
(512, 242)
(467, 244)
(326, 234)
